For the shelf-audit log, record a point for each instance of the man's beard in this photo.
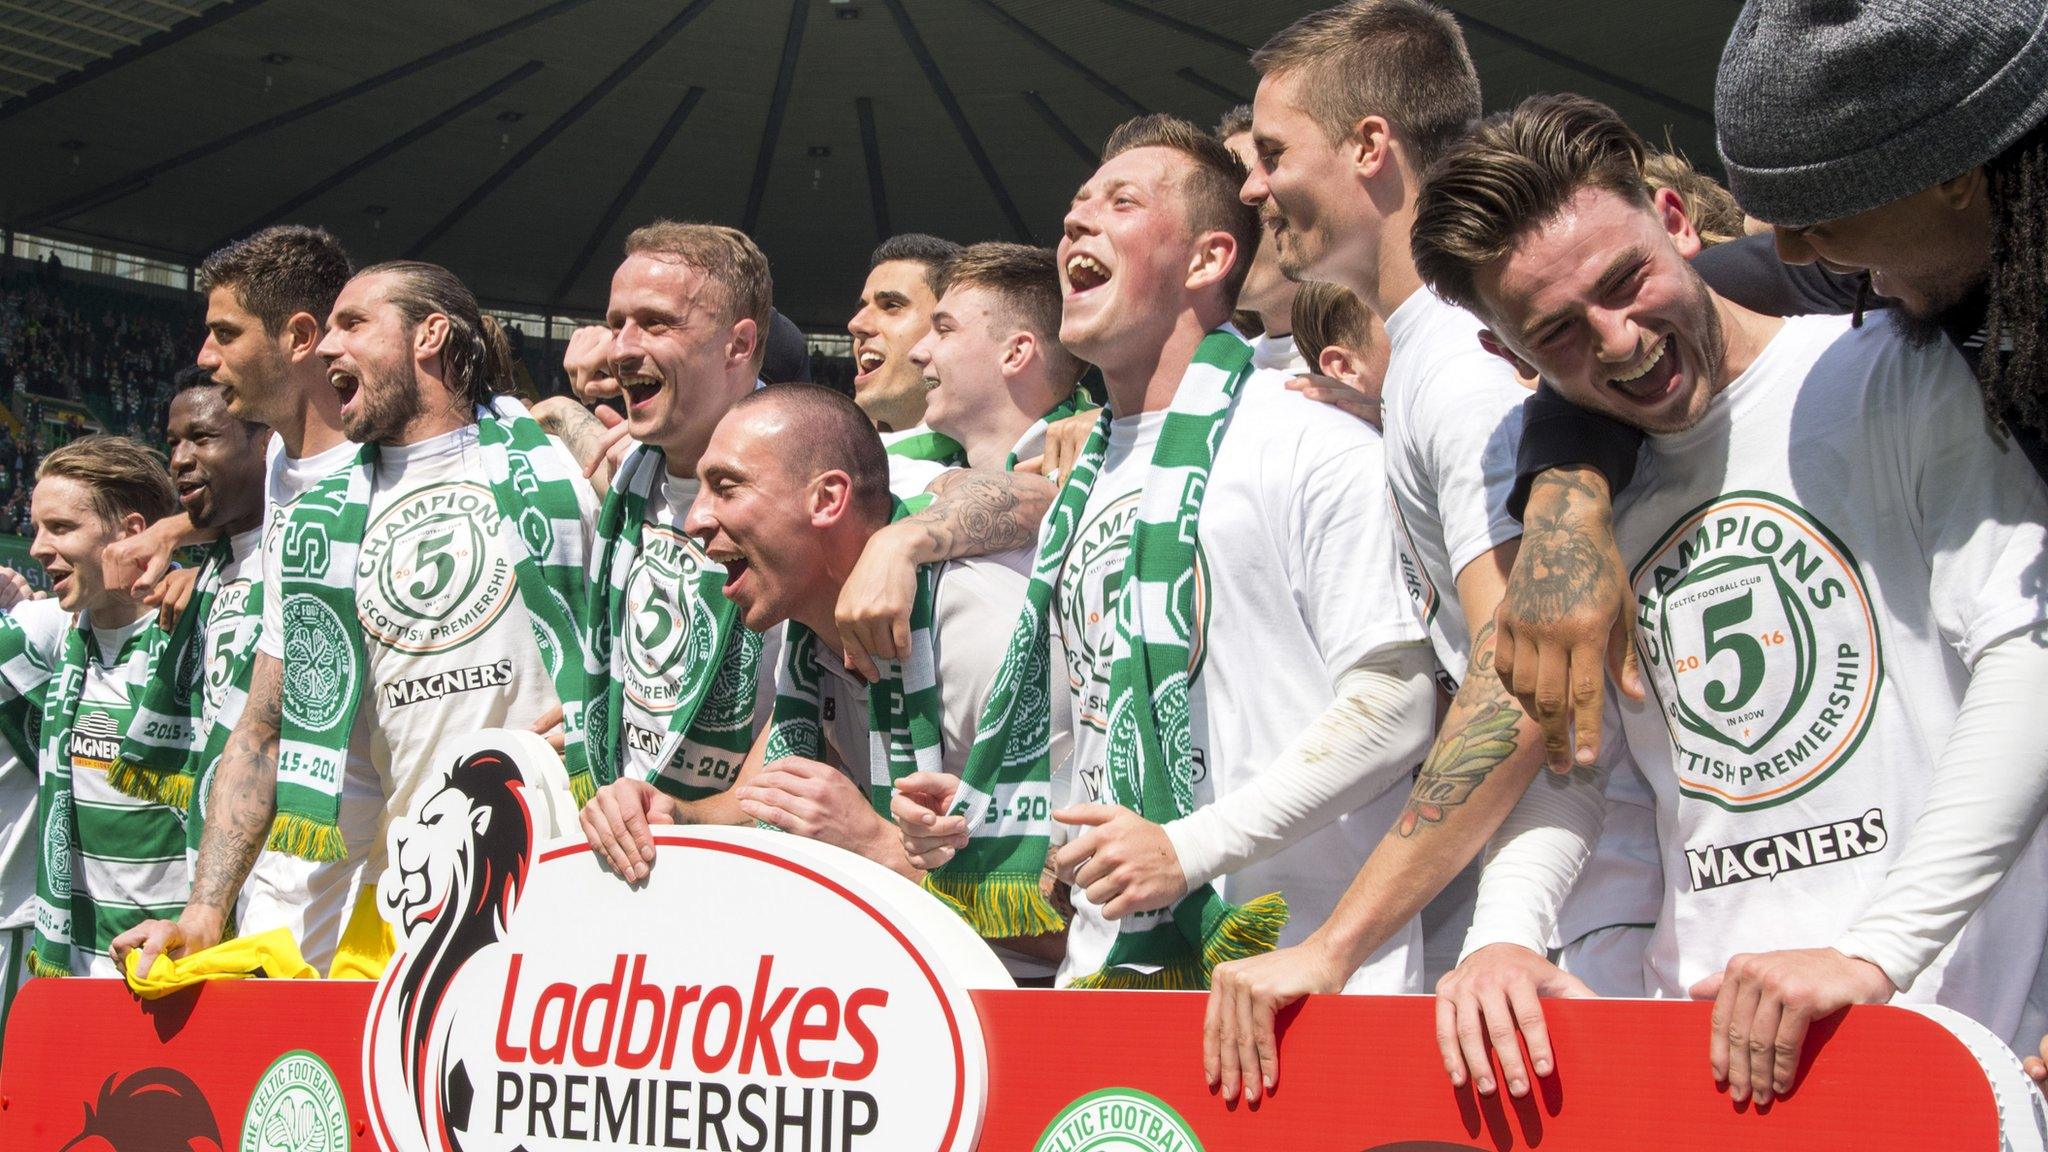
(1960, 309)
(384, 410)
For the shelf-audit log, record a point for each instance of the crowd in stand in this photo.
(1460, 489)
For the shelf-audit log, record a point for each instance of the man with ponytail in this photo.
(433, 585)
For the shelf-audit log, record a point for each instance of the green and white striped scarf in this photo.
(715, 698)
(928, 445)
(25, 671)
(172, 743)
(1150, 753)
(326, 664)
(1005, 791)
(61, 910)
(1076, 402)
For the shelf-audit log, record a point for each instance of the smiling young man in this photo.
(895, 313)
(994, 371)
(1220, 752)
(671, 674)
(108, 861)
(794, 483)
(1837, 579)
(1268, 293)
(431, 587)
(187, 711)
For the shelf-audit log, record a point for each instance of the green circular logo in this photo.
(297, 1107)
(429, 577)
(319, 668)
(1118, 1120)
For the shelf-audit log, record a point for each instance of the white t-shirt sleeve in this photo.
(1347, 584)
(1472, 429)
(270, 641)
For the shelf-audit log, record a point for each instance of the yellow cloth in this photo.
(367, 944)
(274, 954)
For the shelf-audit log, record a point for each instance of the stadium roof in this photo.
(517, 141)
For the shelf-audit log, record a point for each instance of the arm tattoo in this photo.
(573, 424)
(976, 512)
(1562, 565)
(244, 795)
(1478, 735)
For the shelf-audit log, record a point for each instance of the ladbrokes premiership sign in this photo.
(756, 991)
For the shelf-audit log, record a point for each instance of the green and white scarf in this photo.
(25, 672)
(166, 752)
(1150, 747)
(326, 664)
(1076, 402)
(929, 445)
(1005, 791)
(722, 655)
(58, 905)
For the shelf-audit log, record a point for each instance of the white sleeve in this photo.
(270, 640)
(1368, 739)
(1989, 791)
(1340, 529)
(1475, 429)
(1534, 859)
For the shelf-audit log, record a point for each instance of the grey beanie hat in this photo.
(1827, 108)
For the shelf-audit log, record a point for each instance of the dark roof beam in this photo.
(18, 50)
(66, 208)
(165, 37)
(1073, 65)
(1059, 128)
(382, 152)
(871, 151)
(1586, 68)
(36, 76)
(630, 189)
(561, 124)
(1195, 31)
(74, 45)
(130, 17)
(778, 106)
(180, 9)
(944, 92)
(1214, 88)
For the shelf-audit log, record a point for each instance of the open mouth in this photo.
(1085, 274)
(640, 390)
(60, 582)
(190, 491)
(735, 566)
(867, 361)
(346, 384)
(931, 384)
(1653, 377)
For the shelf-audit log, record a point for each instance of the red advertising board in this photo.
(86, 1059)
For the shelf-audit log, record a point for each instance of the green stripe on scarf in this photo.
(929, 445)
(993, 882)
(533, 484)
(722, 653)
(62, 910)
(1150, 754)
(1076, 402)
(168, 750)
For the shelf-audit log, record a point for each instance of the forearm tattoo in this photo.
(1481, 731)
(976, 513)
(575, 427)
(244, 795)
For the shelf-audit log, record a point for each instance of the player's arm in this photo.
(1484, 756)
(1987, 797)
(580, 431)
(974, 512)
(139, 561)
(239, 812)
(616, 819)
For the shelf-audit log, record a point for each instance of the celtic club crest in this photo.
(320, 675)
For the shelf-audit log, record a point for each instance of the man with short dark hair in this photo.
(1267, 295)
(433, 586)
(109, 860)
(1223, 779)
(1842, 622)
(895, 313)
(793, 485)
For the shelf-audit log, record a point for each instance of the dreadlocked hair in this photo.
(2016, 382)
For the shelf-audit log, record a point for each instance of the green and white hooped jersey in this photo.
(1818, 565)
(31, 644)
(130, 853)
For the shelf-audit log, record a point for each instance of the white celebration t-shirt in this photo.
(1294, 585)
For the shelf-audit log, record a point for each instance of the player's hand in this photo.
(612, 446)
(137, 562)
(195, 931)
(172, 595)
(2037, 1065)
(874, 606)
(1124, 862)
(1338, 395)
(15, 589)
(1763, 1003)
(1568, 615)
(549, 725)
(1493, 995)
(1239, 1048)
(919, 804)
(1064, 440)
(818, 802)
(616, 821)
